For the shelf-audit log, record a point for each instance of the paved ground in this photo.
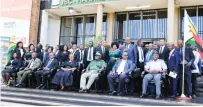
(24, 96)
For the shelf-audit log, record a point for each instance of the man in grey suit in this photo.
(154, 68)
(33, 64)
(121, 70)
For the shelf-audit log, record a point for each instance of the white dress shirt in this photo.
(197, 58)
(171, 53)
(156, 65)
(141, 54)
(91, 54)
(121, 66)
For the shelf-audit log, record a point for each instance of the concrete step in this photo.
(45, 97)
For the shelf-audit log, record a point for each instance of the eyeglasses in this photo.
(125, 55)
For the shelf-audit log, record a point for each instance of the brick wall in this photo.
(34, 21)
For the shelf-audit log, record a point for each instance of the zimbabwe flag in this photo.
(191, 35)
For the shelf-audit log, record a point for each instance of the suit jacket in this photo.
(165, 53)
(132, 53)
(129, 66)
(37, 63)
(105, 55)
(56, 55)
(17, 63)
(18, 52)
(54, 64)
(138, 53)
(174, 61)
(77, 56)
(86, 54)
(147, 59)
(189, 56)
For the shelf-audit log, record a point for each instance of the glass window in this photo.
(149, 21)
(90, 25)
(104, 26)
(121, 26)
(66, 29)
(134, 25)
(66, 40)
(200, 21)
(162, 24)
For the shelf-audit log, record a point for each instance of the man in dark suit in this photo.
(75, 52)
(163, 51)
(163, 54)
(103, 51)
(50, 64)
(173, 67)
(188, 64)
(89, 54)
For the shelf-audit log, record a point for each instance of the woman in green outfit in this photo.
(114, 55)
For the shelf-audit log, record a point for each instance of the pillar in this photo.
(173, 23)
(99, 20)
(110, 27)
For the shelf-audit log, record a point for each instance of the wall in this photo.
(53, 31)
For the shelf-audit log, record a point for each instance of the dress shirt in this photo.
(171, 53)
(88, 54)
(141, 54)
(121, 66)
(156, 65)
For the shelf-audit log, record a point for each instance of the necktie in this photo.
(48, 63)
(160, 50)
(90, 51)
(141, 53)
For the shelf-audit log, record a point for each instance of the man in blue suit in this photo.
(132, 50)
(189, 66)
(121, 70)
(50, 64)
(173, 66)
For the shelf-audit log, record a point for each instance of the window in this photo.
(134, 25)
(200, 21)
(162, 23)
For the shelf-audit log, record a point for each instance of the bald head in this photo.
(127, 40)
(180, 43)
(171, 46)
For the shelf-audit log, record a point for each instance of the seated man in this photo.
(50, 64)
(154, 68)
(92, 72)
(120, 70)
(31, 67)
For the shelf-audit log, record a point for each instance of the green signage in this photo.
(68, 3)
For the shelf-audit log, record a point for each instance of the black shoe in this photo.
(40, 86)
(194, 96)
(143, 96)
(131, 92)
(43, 87)
(120, 94)
(173, 96)
(112, 93)
(158, 97)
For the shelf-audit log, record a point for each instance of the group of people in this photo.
(81, 66)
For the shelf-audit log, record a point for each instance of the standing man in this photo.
(149, 53)
(163, 51)
(188, 63)
(75, 52)
(131, 49)
(31, 67)
(140, 56)
(103, 51)
(173, 67)
(89, 54)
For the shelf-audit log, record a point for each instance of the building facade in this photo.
(63, 21)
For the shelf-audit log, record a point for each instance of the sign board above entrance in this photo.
(68, 3)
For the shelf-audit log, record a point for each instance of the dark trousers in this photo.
(194, 83)
(173, 85)
(42, 75)
(121, 78)
(77, 76)
(187, 80)
(138, 80)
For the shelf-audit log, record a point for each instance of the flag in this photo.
(191, 35)
(11, 47)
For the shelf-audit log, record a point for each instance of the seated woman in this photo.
(64, 76)
(11, 67)
(28, 54)
(114, 54)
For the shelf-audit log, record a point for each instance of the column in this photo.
(173, 23)
(110, 27)
(44, 27)
(99, 20)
